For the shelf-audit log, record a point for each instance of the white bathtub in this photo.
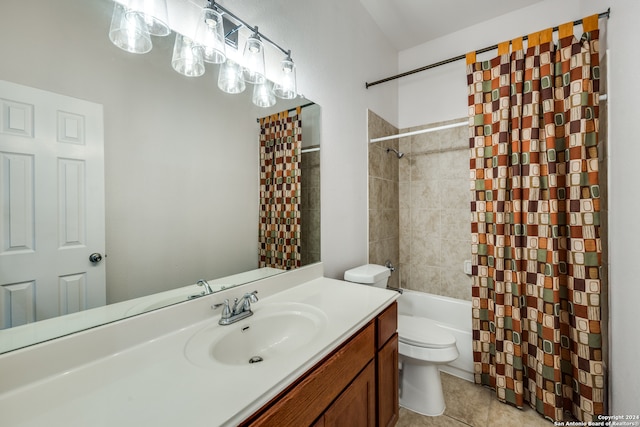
(452, 314)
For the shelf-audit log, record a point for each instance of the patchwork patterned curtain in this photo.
(279, 228)
(535, 206)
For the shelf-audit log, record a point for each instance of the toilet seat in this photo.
(423, 332)
(424, 341)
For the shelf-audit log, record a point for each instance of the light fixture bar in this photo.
(252, 29)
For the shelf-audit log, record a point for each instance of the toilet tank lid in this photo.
(369, 273)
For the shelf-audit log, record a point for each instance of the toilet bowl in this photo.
(422, 346)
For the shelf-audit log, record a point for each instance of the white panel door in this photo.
(52, 205)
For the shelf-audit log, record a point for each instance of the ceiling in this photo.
(408, 23)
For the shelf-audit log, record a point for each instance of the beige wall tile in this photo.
(425, 223)
(384, 195)
(456, 225)
(457, 192)
(426, 194)
(456, 284)
(424, 278)
(422, 202)
(424, 167)
(310, 207)
(438, 237)
(453, 164)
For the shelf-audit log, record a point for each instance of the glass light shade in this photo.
(253, 57)
(187, 58)
(230, 78)
(129, 33)
(286, 87)
(154, 13)
(263, 95)
(210, 36)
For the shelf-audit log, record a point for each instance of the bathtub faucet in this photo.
(392, 269)
(389, 265)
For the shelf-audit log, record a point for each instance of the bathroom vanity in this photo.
(328, 350)
(357, 384)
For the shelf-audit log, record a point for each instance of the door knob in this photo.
(95, 257)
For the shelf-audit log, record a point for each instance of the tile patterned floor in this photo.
(469, 404)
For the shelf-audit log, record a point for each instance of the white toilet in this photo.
(423, 345)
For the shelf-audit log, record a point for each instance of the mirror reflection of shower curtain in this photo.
(279, 240)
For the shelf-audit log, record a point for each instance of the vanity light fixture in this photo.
(230, 77)
(187, 57)
(134, 21)
(285, 86)
(154, 13)
(129, 32)
(210, 35)
(253, 56)
(263, 95)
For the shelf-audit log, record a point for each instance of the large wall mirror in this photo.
(181, 171)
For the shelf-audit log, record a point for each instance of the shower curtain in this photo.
(536, 244)
(279, 220)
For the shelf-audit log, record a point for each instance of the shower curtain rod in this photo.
(418, 132)
(461, 57)
(291, 110)
(602, 97)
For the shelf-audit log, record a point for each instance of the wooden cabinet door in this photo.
(305, 402)
(387, 366)
(356, 405)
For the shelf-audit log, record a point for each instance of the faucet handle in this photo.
(252, 297)
(244, 304)
(226, 310)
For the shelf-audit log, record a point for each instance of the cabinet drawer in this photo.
(306, 400)
(387, 324)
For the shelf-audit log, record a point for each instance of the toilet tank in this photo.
(369, 274)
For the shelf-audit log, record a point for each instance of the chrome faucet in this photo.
(241, 308)
(207, 289)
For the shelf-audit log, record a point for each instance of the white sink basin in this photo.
(274, 331)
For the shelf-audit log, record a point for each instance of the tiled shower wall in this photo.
(435, 230)
(310, 207)
(384, 236)
(419, 207)
(310, 185)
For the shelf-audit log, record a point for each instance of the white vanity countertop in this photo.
(154, 384)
